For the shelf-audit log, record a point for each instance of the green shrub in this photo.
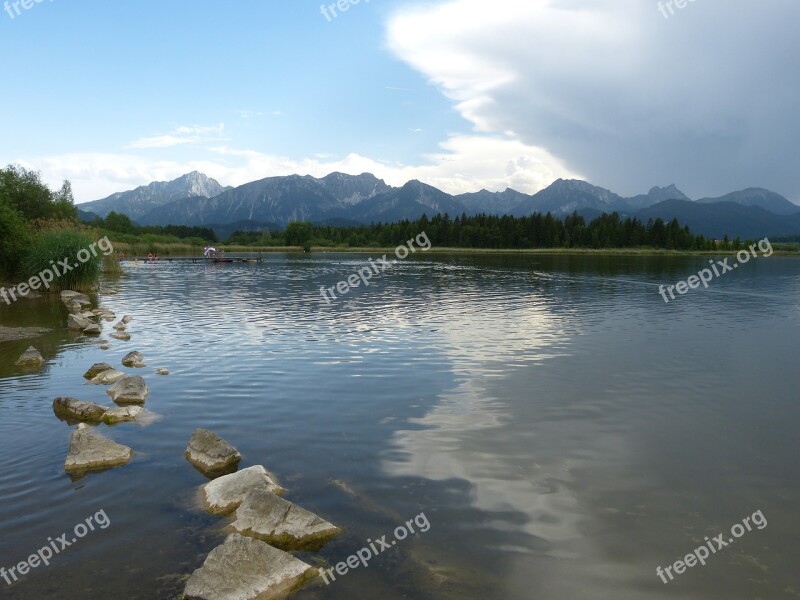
(13, 236)
(51, 247)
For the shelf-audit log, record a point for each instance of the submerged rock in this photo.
(211, 455)
(88, 450)
(120, 327)
(11, 334)
(30, 358)
(268, 517)
(104, 346)
(121, 335)
(246, 569)
(133, 359)
(226, 494)
(162, 371)
(96, 369)
(93, 329)
(122, 414)
(129, 390)
(107, 377)
(77, 410)
(78, 323)
(127, 319)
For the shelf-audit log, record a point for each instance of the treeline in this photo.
(497, 232)
(27, 205)
(119, 223)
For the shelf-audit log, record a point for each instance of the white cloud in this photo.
(464, 164)
(181, 135)
(707, 97)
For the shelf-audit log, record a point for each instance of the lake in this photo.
(564, 431)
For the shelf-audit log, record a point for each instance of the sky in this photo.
(461, 94)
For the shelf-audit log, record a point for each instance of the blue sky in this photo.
(463, 94)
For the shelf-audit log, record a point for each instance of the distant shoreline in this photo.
(186, 250)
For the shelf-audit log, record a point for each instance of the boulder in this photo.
(104, 346)
(78, 323)
(75, 307)
(68, 297)
(121, 335)
(211, 455)
(246, 569)
(133, 359)
(127, 319)
(96, 369)
(87, 314)
(226, 494)
(30, 358)
(76, 410)
(129, 390)
(120, 327)
(270, 518)
(93, 329)
(122, 414)
(88, 450)
(107, 377)
(162, 371)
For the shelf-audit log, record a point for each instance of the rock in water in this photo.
(127, 319)
(133, 359)
(129, 390)
(77, 410)
(122, 414)
(30, 358)
(89, 451)
(120, 327)
(162, 371)
(211, 455)
(226, 494)
(121, 335)
(93, 329)
(96, 369)
(78, 323)
(270, 518)
(68, 296)
(107, 377)
(246, 569)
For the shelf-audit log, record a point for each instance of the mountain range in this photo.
(341, 199)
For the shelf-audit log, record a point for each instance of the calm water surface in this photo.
(562, 428)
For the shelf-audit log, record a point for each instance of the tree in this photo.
(298, 233)
(24, 191)
(119, 222)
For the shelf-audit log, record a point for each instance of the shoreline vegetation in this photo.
(39, 226)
